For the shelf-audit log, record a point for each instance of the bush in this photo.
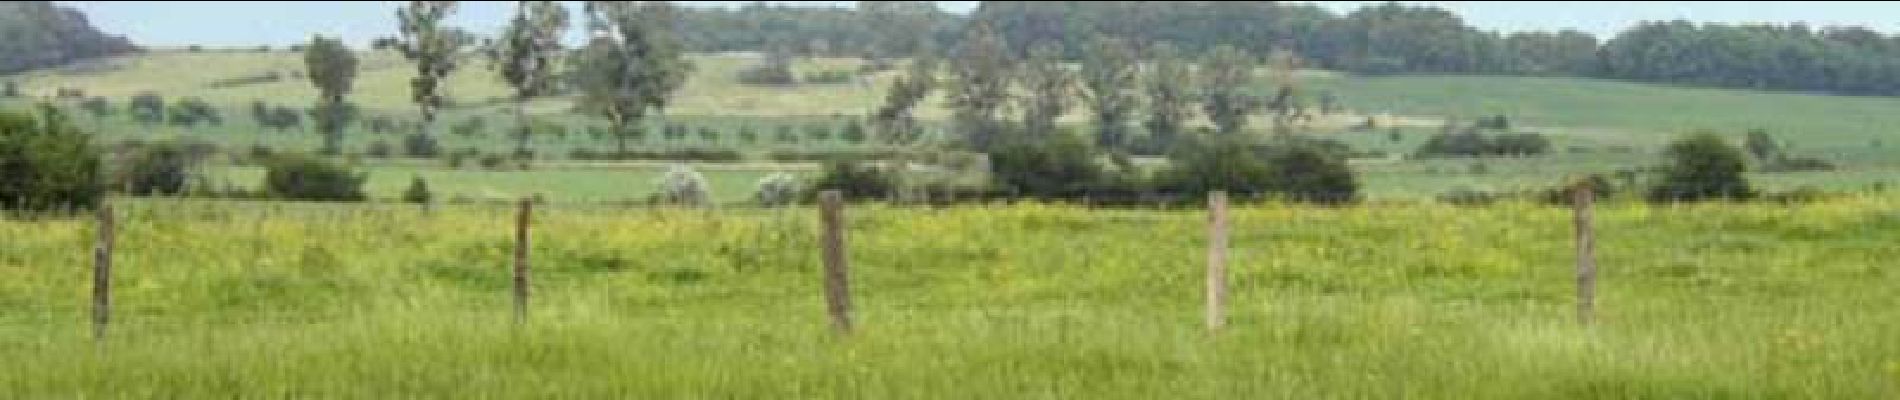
(493, 161)
(1309, 174)
(1061, 165)
(379, 149)
(1600, 188)
(818, 133)
(1466, 196)
(192, 111)
(301, 177)
(784, 134)
(420, 146)
(853, 132)
(99, 107)
(418, 192)
(684, 187)
(856, 180)
(147, 108)
(46, 164)
(10, 89)
(157, 169)
(1474, 144)
(777, 189)
(1703, 167)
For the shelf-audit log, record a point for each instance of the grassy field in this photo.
(1378, 301)
(1597, 126)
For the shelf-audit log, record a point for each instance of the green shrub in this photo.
(418, 192)
(856, 181)
(1060, 165)
(46, 163)
(302, 177)
(161, 168)
(379, 149)
(1702, 166)
(420, 146)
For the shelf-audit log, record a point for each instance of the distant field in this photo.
(1597, 126)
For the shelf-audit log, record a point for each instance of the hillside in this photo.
(38, 34)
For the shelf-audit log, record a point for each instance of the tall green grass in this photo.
(224, 299)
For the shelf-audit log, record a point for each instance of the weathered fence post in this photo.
(837, 283)
(102, 273)
(521, 259)
(1582, 199)
(1216, 260)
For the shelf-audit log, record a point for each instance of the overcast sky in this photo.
(174, 23)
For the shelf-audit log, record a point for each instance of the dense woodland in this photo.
(1382, 39)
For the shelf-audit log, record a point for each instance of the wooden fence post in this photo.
(837, 284)
(1216, 260)
(102, 273)
(1582, 199)
(521, 259)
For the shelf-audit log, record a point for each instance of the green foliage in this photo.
(432, 47)
(1764, 147)
(9, 89)
(418, 192)
(99, 107)
(161, 168)
(828, 77)
(853, 132)
(1109, 72)
(147, 108)
(623, 76)
(1702, 166)
(1311, 174)
(980, 87)
(332, 70)
(1473, 143)
(1051, 87)
(46, 163)
(301, 177)
(191, 111)
(1226, 74)
(856, 180)
(1170, 99)
(1058, 165)
(419, 145)
(895, 121)
(1296, 170)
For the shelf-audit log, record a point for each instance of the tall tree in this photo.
(1228, 71)
(982, 71)
(632, 66)
(1169, 100)
(895, 122)
(1050, 86)
(1109, 70)
(432, 46)
(332, 69)
(527, 56)
(1282, 63)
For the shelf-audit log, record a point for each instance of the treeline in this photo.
(1379, 39)
(38, 34)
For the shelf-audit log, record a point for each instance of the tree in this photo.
(1702, 167)
(856, 180)
(777, 189)
(1051, 166)
(685, 187)
(46, 164)
(1109, 71)
(99, 107)
(418, 192)
(10, 89)
(1049, 86)
(1228, 72)
(981, 68)
(332, 69)
(432, 47)
(774, 69)
(1168, 99)
(1762, 146)
(1307, 173)
(895, 121)
(633, 68)
(191, 111)
(526, 57)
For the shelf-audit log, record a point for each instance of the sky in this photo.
(250, 23)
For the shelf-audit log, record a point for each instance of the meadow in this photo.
(1596, 126)
(1383, 300)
